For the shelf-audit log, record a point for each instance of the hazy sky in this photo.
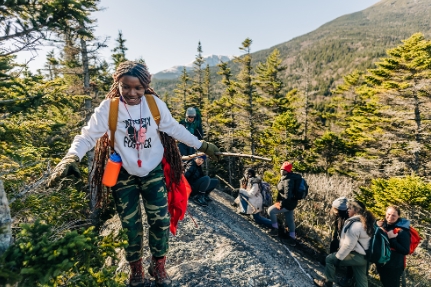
(166, 32)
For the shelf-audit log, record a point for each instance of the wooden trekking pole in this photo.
(188, 157)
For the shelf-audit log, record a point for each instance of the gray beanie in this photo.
(340, 203)
(191, 112)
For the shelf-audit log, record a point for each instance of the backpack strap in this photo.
(112, 121)
(113, 115)
(153, 108)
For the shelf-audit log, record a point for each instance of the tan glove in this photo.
(67, 166)
(210, 149)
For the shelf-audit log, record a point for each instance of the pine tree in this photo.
(119, 55)
(247, 97)
(402, 82)
(182, 92)
(197, 89)
(28, 22)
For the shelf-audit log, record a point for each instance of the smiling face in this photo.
(131, 89)
(391, 215)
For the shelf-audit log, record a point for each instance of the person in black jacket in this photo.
(398, 232)
(200, 183)
(285, 202)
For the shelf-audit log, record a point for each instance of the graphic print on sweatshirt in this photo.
(136, 133)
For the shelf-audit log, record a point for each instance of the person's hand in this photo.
(379, 223)
(277, 205)
(210, 149)
(391, 234)
(67, 166)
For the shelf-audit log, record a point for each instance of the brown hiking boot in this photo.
(136, 274)
(157, 270)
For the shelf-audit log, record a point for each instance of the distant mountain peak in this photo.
(175, 71)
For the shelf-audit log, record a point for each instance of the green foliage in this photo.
(43, 255)
(409, 192)
(119, 55)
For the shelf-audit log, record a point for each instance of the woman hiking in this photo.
(141, 144)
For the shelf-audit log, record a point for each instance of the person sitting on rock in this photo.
(200, 183)
(249, 200)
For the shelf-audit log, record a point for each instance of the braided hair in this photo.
(101, 152)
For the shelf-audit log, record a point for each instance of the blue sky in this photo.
(166, 32)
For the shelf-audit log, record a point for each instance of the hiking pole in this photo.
(188, 157)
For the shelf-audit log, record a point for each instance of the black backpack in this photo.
(379, 248)
(300, 190)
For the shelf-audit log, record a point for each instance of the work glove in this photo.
(210, 149)
(67, 166)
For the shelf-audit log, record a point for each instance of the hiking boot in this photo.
(136, 274)
(322, 283)
(200, 200)
(207, 198)
(291, 241)
(157, 270)
(273, 232)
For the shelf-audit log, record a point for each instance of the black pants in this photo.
(390, 277)
(204, 184)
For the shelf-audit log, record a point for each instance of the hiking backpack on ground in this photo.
(300, 190)
(265, 190)
(379, 249)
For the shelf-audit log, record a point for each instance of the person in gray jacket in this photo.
(354, 241)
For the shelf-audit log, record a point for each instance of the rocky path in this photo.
(227, 249)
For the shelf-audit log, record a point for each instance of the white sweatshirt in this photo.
(151, 152)
(349, 241)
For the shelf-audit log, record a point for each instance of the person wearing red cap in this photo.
(285, 202)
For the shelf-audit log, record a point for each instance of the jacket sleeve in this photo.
(191, 172)
(349, 241)
(401, 243)
(253, 192)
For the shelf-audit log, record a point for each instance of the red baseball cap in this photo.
(287, 166)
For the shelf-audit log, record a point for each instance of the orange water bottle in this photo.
(112, 169)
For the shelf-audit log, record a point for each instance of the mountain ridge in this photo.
(176, 71)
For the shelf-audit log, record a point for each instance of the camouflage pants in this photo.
(152, 189)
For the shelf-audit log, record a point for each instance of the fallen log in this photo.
(188, 157)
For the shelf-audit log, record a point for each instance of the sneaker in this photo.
(273, 232)
(207, 198)
(200, 200)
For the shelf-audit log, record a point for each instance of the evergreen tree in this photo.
(403, 84)
(246, 98)
(119, 55)
(197, 89)
(182, 93)
(27, 22)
